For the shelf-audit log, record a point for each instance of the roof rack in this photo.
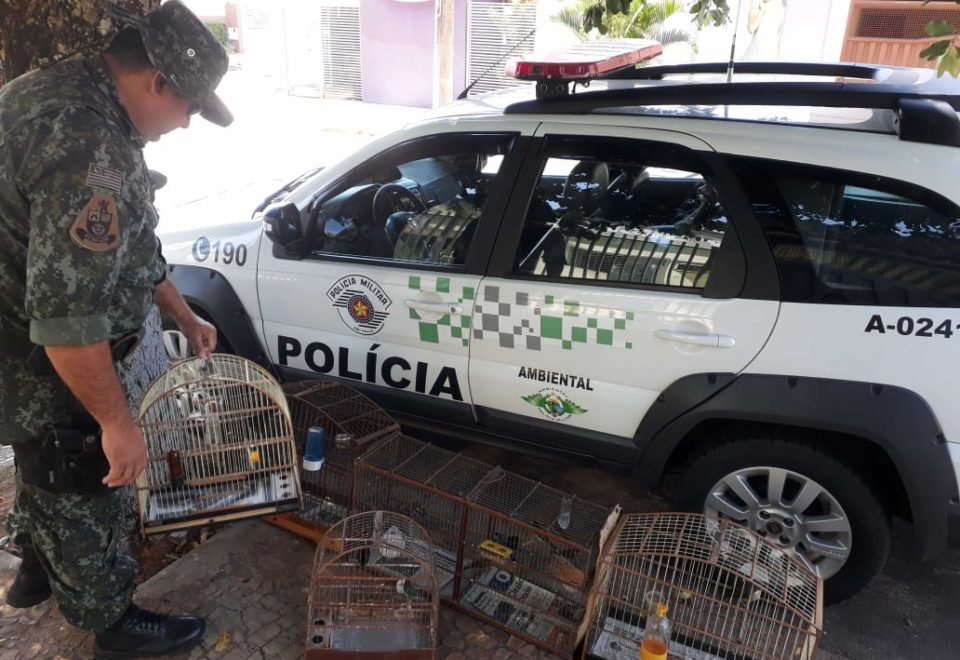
(838, 69)
(926, 109)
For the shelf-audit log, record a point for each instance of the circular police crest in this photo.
(361, 303)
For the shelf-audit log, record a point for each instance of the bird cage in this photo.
(428, 484)
(373, 593)
(730, 594)
(352, 423)
(531, 551)
(219, 445)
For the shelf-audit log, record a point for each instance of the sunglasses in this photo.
(195, 106)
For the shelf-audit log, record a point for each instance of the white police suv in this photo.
(751, 284)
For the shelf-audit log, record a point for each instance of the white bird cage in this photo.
(373, 594)
(220, 446)
(730, 594)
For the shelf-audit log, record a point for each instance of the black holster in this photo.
(66, 460)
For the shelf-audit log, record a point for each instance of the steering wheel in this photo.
(392, 192)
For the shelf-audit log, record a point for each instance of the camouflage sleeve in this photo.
(74, 169)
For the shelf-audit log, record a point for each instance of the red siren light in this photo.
(585, 61)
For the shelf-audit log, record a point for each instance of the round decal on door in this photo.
(361, 303)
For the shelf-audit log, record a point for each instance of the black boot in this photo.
(31, 586)
(140, 632)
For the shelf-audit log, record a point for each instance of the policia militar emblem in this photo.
(361, 303)
(96, 227)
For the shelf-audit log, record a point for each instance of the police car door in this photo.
(618, 272)
(397, 239)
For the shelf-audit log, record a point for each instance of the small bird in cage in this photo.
(220, 440)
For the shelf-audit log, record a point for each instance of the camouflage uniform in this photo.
(79, 262)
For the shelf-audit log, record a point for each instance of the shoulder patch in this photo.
(97, 227)
(104, 177)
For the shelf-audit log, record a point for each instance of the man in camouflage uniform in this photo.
(80, 275)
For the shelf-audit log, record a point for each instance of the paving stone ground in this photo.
(250, 582)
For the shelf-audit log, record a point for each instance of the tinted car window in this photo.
(598, 216)
(419, 203)
(849, 239)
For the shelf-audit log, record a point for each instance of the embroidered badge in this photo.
(97, 227)
(104, 177)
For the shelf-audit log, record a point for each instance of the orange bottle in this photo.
(656, 637)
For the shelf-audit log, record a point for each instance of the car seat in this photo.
(585, 187)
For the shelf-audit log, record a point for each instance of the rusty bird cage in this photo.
(531, 550)
(730, 594)
(509, 550)
(373, 593)
(352, 423)
(428, 484)
(219, 445)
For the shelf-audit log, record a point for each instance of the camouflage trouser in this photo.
(81, 542)
(81, 539)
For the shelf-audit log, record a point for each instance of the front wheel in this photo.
(799, 499)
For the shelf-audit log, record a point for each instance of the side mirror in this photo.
(283, 227)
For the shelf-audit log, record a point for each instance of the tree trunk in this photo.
(35, 33)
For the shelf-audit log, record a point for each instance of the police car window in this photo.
(602, 218)
(421, 209)
(838, 240)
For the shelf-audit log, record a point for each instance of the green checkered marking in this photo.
(429, 333)
(591, 323)
(567, 345)
(571, 308)
(619, 324)
(605, 337)
(551, 327)
(579, 334)
(446, 328)
(548, 300)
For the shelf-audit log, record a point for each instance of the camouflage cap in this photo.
(185, 51)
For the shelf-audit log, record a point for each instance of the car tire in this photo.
(714, 482)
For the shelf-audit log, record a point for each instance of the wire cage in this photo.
(730, 593)
(351, 423)
(530, 551)
(509, 550)
(373, 593)
(428, 484)
(219, 445)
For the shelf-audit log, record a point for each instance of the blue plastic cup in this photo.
(313, 452)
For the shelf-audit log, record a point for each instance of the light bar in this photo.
(586, 60)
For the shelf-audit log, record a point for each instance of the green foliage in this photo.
(946, 52)
(643, 19)
(219, 30)
(710, 12)
(608, 17)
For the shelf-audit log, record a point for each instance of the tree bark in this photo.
(34, 33)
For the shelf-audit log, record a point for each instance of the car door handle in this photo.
(434, 307)
(713, 339)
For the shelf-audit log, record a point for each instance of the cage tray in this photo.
(621, 641)
(187, 502)
(521, 605)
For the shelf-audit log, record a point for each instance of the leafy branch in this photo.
(946, 52)
(705, 12)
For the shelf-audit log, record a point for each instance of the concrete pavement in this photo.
(250, 581)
